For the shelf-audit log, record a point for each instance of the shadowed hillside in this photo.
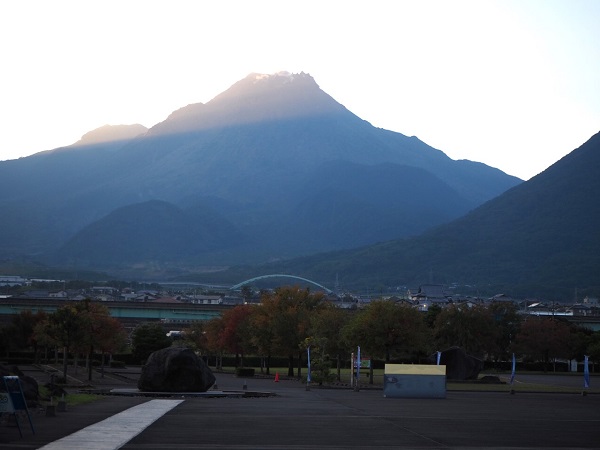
(539, 238)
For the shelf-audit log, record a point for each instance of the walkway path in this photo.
(117, 430)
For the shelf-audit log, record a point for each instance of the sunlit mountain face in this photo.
(270, 169)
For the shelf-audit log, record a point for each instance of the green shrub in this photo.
(244, 372)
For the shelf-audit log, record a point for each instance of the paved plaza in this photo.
(297, 418)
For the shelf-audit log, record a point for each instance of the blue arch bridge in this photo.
(280, 275)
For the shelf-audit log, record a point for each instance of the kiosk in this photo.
(414, 381)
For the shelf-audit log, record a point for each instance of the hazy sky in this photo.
(513, 84)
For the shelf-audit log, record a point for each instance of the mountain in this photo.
(283, 166)
(540, 238)
(149, 232)
(112, 134)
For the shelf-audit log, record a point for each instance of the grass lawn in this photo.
(70, 399)
(451, 386)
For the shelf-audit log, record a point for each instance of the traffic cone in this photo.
(276, 377)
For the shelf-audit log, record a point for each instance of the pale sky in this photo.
(513, 84)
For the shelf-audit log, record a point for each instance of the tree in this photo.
(507, 322)
(21, 330)
(147, 338)
(80, 327)
(110, 336)
(99, 331)
(431, 315)
(543, 339)
(385, 329)
(5, 339)
(320, 362)
(214, 343)
(326, 329)
(290, 309)
(470, 327)
(43, 336)
(64, 327)
(593, 347)
(236, 333)
(578, 342)
(263, 337)
(195, 337)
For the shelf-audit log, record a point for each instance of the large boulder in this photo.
(175, 369)
(459, 365)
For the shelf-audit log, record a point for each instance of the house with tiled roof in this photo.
(501, 298)
(428, 295)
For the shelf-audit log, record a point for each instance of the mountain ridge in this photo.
(253, 150)
(539, 238)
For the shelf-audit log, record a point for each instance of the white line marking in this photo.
(117, 430)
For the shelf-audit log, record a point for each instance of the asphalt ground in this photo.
(297, 418)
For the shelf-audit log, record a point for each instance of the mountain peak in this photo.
(256, 98)
(260, 83)
(283, 73)
(281, 76)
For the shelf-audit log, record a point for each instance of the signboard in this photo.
(365, 363)
(13, 400)
(6, 405)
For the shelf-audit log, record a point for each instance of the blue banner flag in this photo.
(439, 356)
(308, 357)
(358, 364)
(514, 365)
(586, 372)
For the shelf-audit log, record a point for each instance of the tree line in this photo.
(289, 320)
(83, 329)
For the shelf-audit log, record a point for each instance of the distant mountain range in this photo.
(271, 169)
(540, 238)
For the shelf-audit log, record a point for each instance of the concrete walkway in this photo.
(117, 430)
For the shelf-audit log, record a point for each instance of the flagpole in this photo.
(514, 365)
(308, 378)
(352, 370)
(586, 372)
(357, 367)
(512, 374)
